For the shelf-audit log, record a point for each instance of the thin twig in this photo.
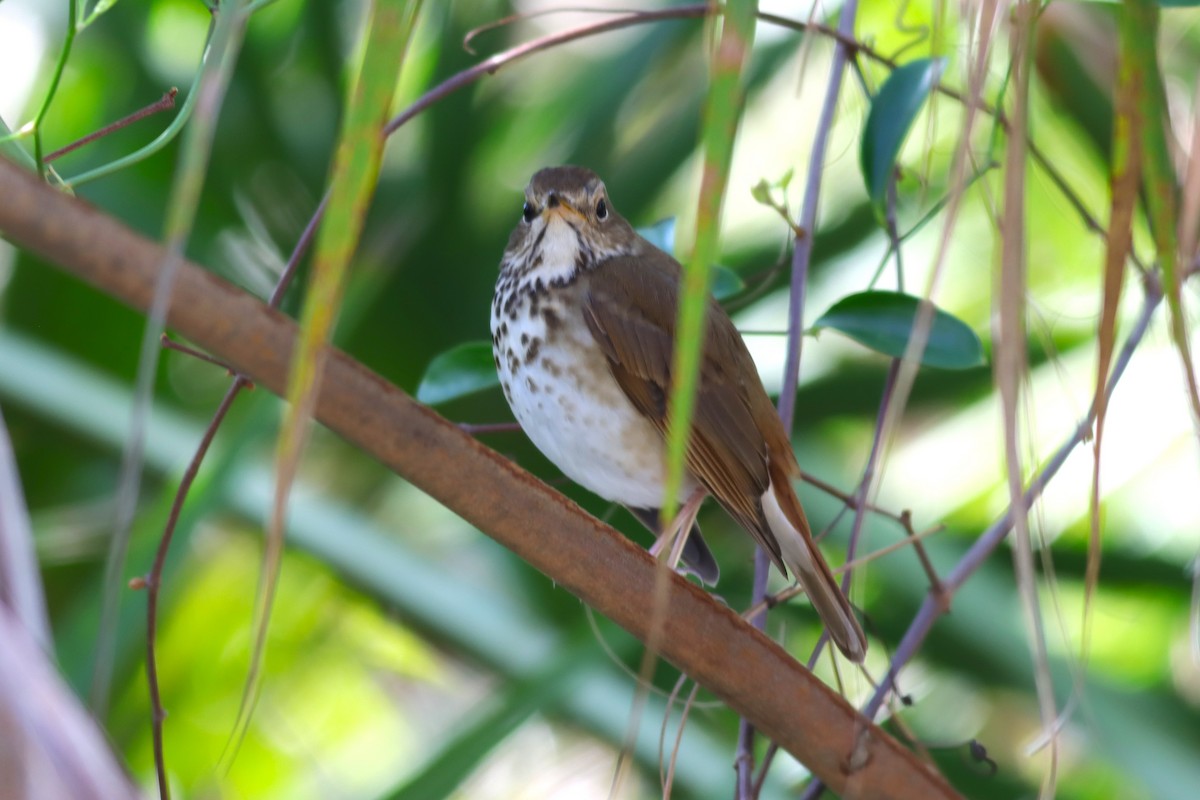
(935, 582)
(910, 539)
(802, 253)
(154, 579)
(850, 500)
(934, 606)
(200, 355)
(743, 762)
(490, 65)
(1035, 153)
(669, 780)
(153, 584)
(167, 101)
(188, 180)
(801, 261)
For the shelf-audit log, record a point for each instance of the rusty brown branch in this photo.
(704, 639)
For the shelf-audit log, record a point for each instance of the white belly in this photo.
(578, 416)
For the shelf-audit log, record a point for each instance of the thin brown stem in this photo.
(851, 501)
(935, 582)
(1035, 153)
(179, 347)
(934, 605)
(167, 101)
(490, 65)
(154, 583)
(154, 579)
(801, 261)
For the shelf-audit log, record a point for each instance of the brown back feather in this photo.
(737, 437)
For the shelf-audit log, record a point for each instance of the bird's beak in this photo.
(564, 209)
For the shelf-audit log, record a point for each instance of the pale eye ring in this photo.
(601, 210)
(528, 211)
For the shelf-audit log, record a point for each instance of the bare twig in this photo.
(167, 101)
(668, 780)
(1010, 364)
(199, 355)
(935, 606)
(801, 260)
(187, 184)
(490, 65)
(153, 580)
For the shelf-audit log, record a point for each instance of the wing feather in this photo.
(630, 307)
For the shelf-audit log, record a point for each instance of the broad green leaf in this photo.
(725, 282)
(892, 113)
(661, 234)
(883, 321)
(462, 370)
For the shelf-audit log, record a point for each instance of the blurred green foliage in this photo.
(409, 655)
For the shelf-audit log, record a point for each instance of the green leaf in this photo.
(725, 282)
(661, 234)
(97, 10)
(883, 321)
(892, 113)
(462, 370)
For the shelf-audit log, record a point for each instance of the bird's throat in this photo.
(560, 251)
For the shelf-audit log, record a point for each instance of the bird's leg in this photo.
(675, 535)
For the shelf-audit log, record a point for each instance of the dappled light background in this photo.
(411, 656)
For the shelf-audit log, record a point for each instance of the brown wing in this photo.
(630, 307)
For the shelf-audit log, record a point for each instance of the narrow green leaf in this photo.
(1126, 176)
(883, 321)
(462, 370)
(893, 111)
(722, 112)
(1139, 37)
(511, 707)
(355, 172)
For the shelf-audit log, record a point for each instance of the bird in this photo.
(583, 330)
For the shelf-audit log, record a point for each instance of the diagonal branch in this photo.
(709, 642)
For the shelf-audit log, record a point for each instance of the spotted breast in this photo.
(560, 388)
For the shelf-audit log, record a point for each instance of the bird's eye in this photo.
(528, 212)
(602, 209)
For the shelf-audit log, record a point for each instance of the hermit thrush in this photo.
(583, 329)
